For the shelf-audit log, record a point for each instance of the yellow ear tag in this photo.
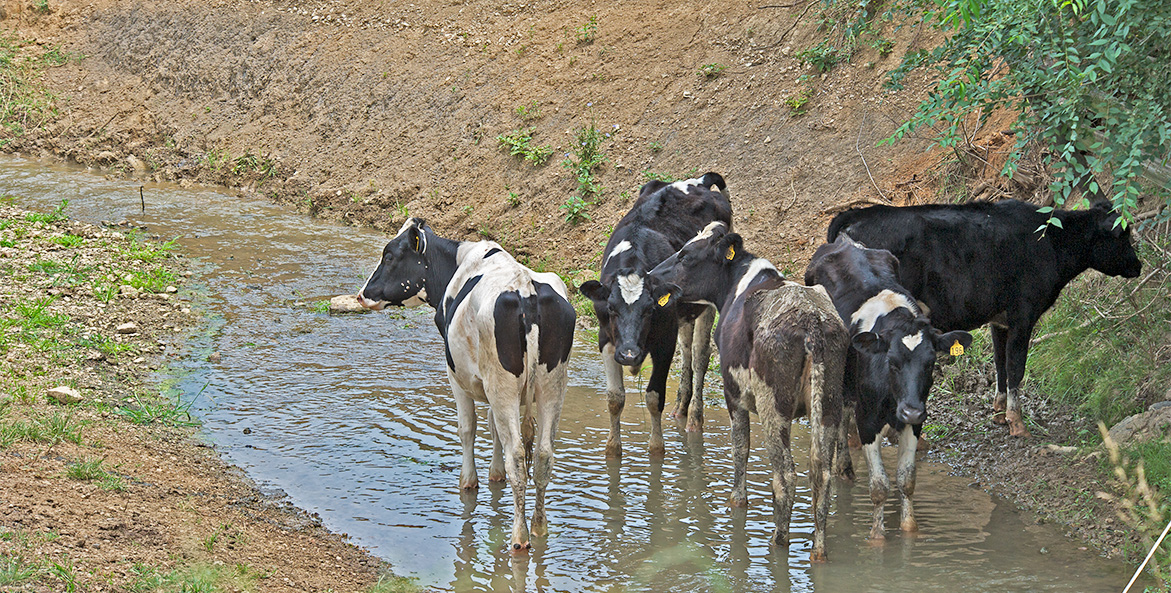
(417, 243)
(957, 349)
(731, 253)
(663, 299)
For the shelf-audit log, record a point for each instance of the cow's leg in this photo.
(661, 355)
(496, 467)
(999, 337)
(843, 465)
(686, 376)
(776, 437)
(905, 477)
(701, 352)
(616, 398)
(878, 484)
(1016, 353)
(465, 411)
(740, 447)
(550, 395)
(506, 411)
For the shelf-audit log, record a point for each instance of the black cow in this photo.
(782, 354)
(889, 367)
(995, 263)
(507, 332)
(631, 326)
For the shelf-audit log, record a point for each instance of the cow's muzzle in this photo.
(628, 356)
(369, 304)
(911, 414)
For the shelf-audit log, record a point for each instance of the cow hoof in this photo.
(877, 540)
(613, 451)
(817, 557)
(1000, 402)
(909, 526)
(497, 477)
(472, 485)
(998, 418)
(854, 441)
(658, 451)
(1017, 428)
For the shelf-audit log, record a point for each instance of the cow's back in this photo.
(677, 210)
(490, 284)
(967, 263)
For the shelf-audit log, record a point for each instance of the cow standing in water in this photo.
(782, 354)
(889, 366)
(996, 263)
(631, 326)
(507, 332)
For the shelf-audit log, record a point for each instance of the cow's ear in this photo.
(594, 291)
(416, 237)
(730, 246)
(869, 342)
(954, 342)
(665, 294)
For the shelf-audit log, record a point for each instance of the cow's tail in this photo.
(836, 225)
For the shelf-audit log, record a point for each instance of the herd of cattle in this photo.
(854, 345)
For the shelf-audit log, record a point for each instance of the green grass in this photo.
(26, 104)
(56, 215)
(395, 584)
(14, 569)
(68, 241)
(160, 410)
(710, 71)
(1102, 349)
(44, 428)
(155, 279)
(520, 143)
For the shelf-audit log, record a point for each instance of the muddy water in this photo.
(351, 417)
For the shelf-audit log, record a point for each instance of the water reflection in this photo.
(352, 417)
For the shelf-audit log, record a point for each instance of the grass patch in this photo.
(26, 103)
(520, 143)
(160, 410)
(1103, 346)
(44, 428)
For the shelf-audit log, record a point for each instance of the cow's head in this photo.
(699, 272)
(625, 305)
(1111, 251)
(901, 357)
(400, 278)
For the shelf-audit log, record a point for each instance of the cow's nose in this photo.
(627, 356)
(911, 414)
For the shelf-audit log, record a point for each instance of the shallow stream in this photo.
(351, 417)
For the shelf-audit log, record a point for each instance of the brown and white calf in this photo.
(631, 326)
(889, 367)
(782, 354)
(507, 332)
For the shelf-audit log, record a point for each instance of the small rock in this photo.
(136, 164)
(1152, 425)
(214, 357)
(171, 290)
(65, 394)
(127, 328)
(346, 303)
(247, 431)
(128, 291)
(1061, 450)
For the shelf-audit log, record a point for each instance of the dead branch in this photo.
(851, 204)
(857, 148)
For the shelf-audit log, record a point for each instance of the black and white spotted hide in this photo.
(889, 368)
(782, 355)
(507, 334)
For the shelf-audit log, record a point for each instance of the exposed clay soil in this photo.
(373, 111)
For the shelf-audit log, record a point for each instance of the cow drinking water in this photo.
(507, 332)
(982, 262)
(782, 354)
(631, 326)
(889, 367)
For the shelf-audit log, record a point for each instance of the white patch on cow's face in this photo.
(755, 267)
(619, 248)
(912, 342)
(877, 306)
(416, 300)
(631, 287)
(707, 231)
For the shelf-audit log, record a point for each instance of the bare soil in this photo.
(370, 112)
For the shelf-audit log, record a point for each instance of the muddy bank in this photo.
(106, 484)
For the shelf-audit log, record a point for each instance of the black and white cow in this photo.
(631, 325)
(889, 367)
(507, 332)
(782, 355)
(982, 262)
